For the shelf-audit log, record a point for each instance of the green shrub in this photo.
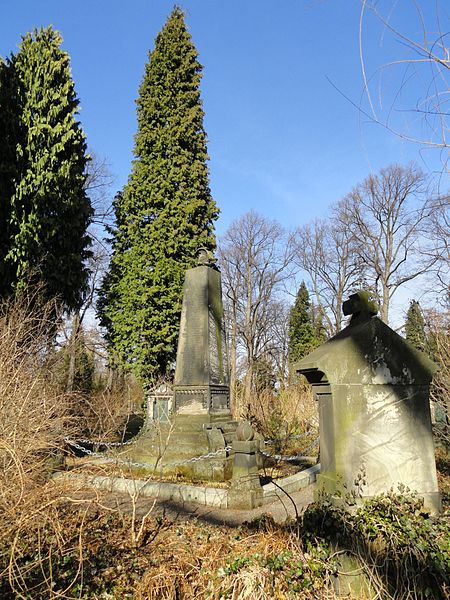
(399, 546)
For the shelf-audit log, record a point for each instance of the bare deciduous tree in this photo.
(437, 231)
(385, 216)
(278, 340)
(408, 90)
(98, 184)
(256, 258)
(326, 251)
(438, 334)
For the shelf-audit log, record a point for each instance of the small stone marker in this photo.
(374, 410)
(159, 404)
(245, 491)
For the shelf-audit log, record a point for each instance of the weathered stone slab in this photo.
(208, 496)
(291, 484)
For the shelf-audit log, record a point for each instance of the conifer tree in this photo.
(415, 327)
(303, 334)
(9, 122)
(165, 212)
(42, 173)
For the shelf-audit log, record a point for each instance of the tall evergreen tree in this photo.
(165, 212)
(415, 327)
(304, 335)
(42, 173)
(9, 123)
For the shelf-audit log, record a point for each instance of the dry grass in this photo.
(200, 561)
(59, 542)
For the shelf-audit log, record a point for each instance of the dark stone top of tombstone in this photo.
(366, 352)
(361, 306)
(206, 258)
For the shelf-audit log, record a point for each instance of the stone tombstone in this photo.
(201, 376)
(374, 412)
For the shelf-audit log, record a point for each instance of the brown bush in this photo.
(109, 414)
(34, 419)
(34, 416)
(289, 411)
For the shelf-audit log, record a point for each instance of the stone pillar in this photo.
(201, 376)
(245, 491)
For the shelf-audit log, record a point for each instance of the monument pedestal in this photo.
(245, 491)
(202, 399)
(167, 447)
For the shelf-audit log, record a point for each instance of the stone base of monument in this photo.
(168, 448)
(245, 493)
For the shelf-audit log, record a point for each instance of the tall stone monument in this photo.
(200, 421)
(201, 374)
(374, 412)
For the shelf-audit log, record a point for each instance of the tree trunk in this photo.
(233, 366)
(73, 352)
(384, 310)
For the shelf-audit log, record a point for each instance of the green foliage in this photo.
(305, 328)
(415, 327)
(165, 212)
(397, 542)
(9, 123)
(84, 372)
(44, 208)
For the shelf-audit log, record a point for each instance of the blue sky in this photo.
(283, 139)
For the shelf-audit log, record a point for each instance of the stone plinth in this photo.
(164, 446)
(374, 412)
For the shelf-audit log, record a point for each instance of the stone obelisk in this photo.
(200, 421)
(201, 384)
